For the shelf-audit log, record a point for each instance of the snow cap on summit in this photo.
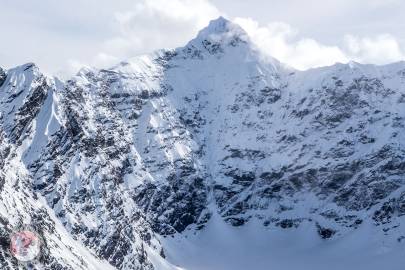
(220, 28)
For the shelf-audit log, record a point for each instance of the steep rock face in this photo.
(335, 139)
(23, 102)
(158, 144)
(2, 76)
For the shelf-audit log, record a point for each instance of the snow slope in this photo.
(221, 247)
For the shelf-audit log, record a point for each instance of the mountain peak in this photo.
(217, 26)
(220, 31)
(221, 26)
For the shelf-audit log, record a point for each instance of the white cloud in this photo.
(101, 60)
(149, 25)
(156, 24)
(281, 41)
(382, 49)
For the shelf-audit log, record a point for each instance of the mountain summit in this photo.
(172, 158)
(221, 26)
(220, 32)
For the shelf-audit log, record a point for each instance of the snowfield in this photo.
(221, 247)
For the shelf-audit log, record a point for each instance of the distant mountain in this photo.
(120, 168)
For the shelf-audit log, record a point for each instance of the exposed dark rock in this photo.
(325, 233)
(2, 77)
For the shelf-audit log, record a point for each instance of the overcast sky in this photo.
(62, 36)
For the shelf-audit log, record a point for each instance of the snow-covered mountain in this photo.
(167, 160)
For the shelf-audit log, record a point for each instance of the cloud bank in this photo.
(280, 40)
(64, 36)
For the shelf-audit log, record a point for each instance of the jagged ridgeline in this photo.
(107, 164)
